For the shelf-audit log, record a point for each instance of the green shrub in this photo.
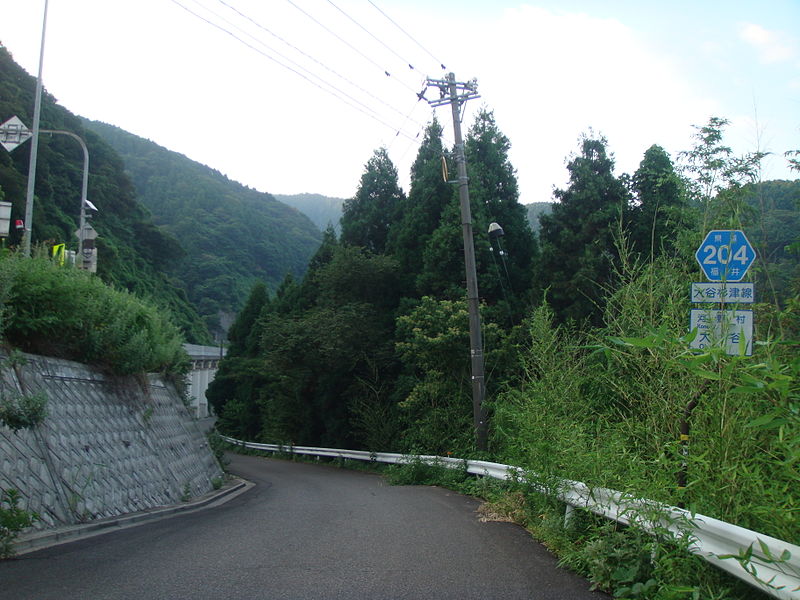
(13, 519)
(23, 411)
(68, 313)
(218, 447)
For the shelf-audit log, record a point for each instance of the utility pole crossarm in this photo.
(469, 89)
(456, 95)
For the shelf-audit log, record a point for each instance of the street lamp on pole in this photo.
(84, 185)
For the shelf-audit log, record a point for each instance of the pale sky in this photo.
(638, 72)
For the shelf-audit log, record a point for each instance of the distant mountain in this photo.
(133, 253)
(322, 210)
(535, 210)
(233, 235)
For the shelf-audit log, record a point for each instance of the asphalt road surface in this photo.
(304, 531)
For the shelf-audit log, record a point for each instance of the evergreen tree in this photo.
(367, 216)
(494, 197)
(493, 187)
(659, 210)
(240, 334)
(578, 237)
(322, 358)
(421, 213)
(234, 393)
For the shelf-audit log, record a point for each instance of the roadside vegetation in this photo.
(590, 372)
(67, 313)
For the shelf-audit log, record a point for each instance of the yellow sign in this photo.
(59, 251)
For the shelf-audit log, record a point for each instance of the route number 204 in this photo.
(721, 255)
(725, 255)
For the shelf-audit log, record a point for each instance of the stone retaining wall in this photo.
(108, 446)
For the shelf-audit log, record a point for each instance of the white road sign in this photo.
(723, 292)
(730, 329)
(13, 133)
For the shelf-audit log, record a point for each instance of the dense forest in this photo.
(590, 375)
(134, 253)
(348, 342)
(233, 235)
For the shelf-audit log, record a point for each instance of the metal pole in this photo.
(84, 185)
(37, 109)
(473, 302)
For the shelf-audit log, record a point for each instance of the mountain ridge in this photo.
(234, 235)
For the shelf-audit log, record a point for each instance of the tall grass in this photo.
(605, 408)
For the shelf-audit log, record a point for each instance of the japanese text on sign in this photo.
(723, 292)
(730, 329)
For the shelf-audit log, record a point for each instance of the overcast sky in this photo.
(291, 96)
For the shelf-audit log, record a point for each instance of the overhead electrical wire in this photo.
(408, 35)
(349, 100)
(320, 63)
(373, 36)
(353, 48)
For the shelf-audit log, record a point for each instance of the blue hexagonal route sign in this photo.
(725, 255)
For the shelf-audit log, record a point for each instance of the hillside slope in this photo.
(233, 235)
(133, 253)
(322, 210)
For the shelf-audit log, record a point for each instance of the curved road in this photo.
(303, 532)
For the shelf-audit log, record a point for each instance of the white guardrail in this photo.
(767, 563)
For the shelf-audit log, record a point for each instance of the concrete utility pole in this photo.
(37, 110)
(456, 94)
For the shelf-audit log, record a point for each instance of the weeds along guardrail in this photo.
(767, 563)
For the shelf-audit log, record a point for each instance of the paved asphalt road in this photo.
(303, 532)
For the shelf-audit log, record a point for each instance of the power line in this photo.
(373, 36)
(320, 63)
(349, 45)
(441, 64)
(332, 91)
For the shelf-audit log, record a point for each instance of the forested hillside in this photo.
(233, 235)
(535, 210)
(134, 253)
(322, 210)
(590, 374)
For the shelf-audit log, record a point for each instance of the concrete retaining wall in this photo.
(108, 446)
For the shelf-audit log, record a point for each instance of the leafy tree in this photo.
(241, 334)
(235, 391)
(714, 176)
(433, 343)
(323, 363)
(793, 158)
(367, 216)
(725, 188)
(578, 237)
